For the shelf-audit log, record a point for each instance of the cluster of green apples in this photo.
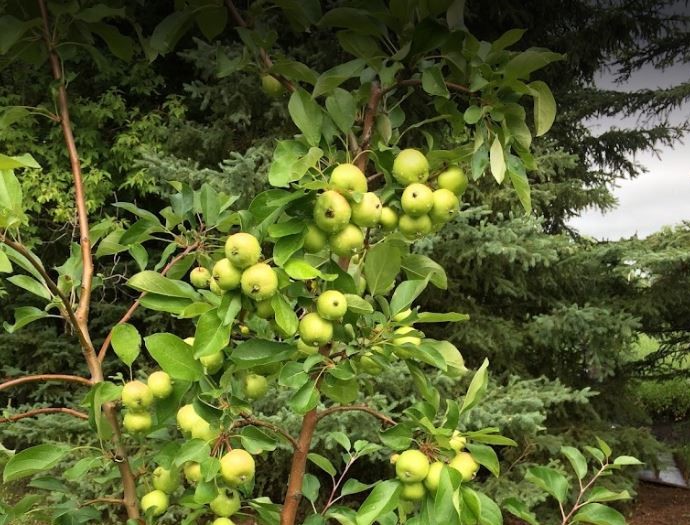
(420, 476)
(138, 397)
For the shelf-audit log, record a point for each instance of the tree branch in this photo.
(128, 314)
(110, 501)
(39, 411)
(44, 377)
(356, 408)
(251, 421)
(368, 126)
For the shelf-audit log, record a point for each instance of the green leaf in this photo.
(497, 159)
(31, 285)
(455, 15)
(291, 160)
(383, 499)
(550, 480)
(406, 293)
(603, 494)
(381, 267)
(230, 306)
(477, 387)
(598, 514)
(490, 512)
(544, 106)
(485, 456)
(285, 316)
(358, 305)
(256, 441)
(436, 317)
(174, 356)
(307, 115)
(5, 264)
(352, 486)
(397, 437)
(603, 446)
(357, 20)
(301, 270)
(32, 460)
(322, 462)
(331, 79)
(212, 20)
(310, 487)
(169, 31)
(342, 109)
(577, 460)
(418, 266)
(126, 342)
(103, 392)
(12, 30)
(23, 316)
(444, 507)
(518, 178)
(519, 509)
(305, 399)
(294, 70)
(292, 375)
(119, 45)
(286, 247)
(627, 460)
(507, 39)
(99, 12)
(211, 335)
(10, 199)
(257, 352)
(195, 450)
(525, 63)
(162, 303)
(434, 83)
(153, 282)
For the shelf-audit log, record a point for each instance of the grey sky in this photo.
(662, 195)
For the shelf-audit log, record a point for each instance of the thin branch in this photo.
(356, 408)
(44, 377)
(130, 312)
(109, 501)
(39, 411)
(368, 125)
(252, 421)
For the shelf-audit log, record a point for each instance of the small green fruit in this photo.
(417, 199)
(453, 179)
(388, 219)
(192, 471)
(315, 239)
(212, 363)
(215, 287)
(259, 282)
(433, 478)
(401, 316)
(226, 275)
(465, 464)
(410, 166)
(225, 504)
(237, 467)
(255, 386)
(315, 330)
(264, 309)
(413, 491)
(157, 500)
(136, 395)
(348, 241)
(446, 206)
(243, 250)
(204, 431)
(306, 349)
(347, 178)
(415, 227)
(222, 521)
(166, 480)
(457, 441)
(369, 365)
(160, 384)
(412, 466)
(361, 284)
(200, 277)
(271, 86)
(137, 422)
(367, 212)
(187, 418)
(332, 212)
(331, 305)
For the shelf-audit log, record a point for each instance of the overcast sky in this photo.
(662, 195)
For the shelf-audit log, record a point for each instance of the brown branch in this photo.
(251, 421)
(39, 411)
(356, 408)
(44, 377)
(368, 126)
(109, 501)
(130, 312)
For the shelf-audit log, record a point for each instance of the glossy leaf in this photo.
(126, 342)
(173, 355)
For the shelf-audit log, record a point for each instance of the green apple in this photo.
(446, 206)
(237, 467)
(222, 521)
(388, 219)
(137, 422)
(331, 305)
(271, 86)
(401, 316)
(410, 166)
(413, 491)
(465, 464)
(453, 179)
(332, 212)
(226, 275)
(212, 363)
(315, 239)
(417, 199)
(314, 330)
(225, 504)
(166, 480)
(347, 178)
(215, 287)
(412, 466)
(306, 349)
(243, 250)
(369, 365)
(433, 478)
(347, 241)
(260, 282)
(157, 501)
(192, 471)
(255, 386)
(160, 384)
(187, 418)
(361, 284)
(415, 227)
(264, 309)
(367, 212)
(402, 339)
(457, 441)
(136, 395)
(204, 431)
(200, 277)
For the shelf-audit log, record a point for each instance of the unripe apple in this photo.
(433, 478)
(222, 521)
(361, 284)
(315, 330)
(264, 309)
(166, 480)
(200, 277)
(465, 464)
(347, 178)
(255, 386)
(446, 206)
(192, 471)
(259, 282)
(137, 422)
(160, 384)
(237, 467)
(417, 199)
(369, 365)
(457, 441)
(331, 305)
(401, 316)
(401, 339)
(204, 431)
(394, 458)
(243, 250)
(410, 166)
(415, 227)
(413, 491)
(226, 275)
(367, 212)
(388, 219)
(136, 395)
(271, 86)
(225, 504)
(412, 466)
(332, 212)
(453, 179)
(212, 363)
(348, 241)
(315, 239)
(306, 349)
(215, 287)
(187, 418)
(156, 500)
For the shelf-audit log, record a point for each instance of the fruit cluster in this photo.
(138, 397)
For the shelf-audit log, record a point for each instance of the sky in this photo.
(657, 198)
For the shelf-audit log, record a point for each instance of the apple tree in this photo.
(310, 290)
